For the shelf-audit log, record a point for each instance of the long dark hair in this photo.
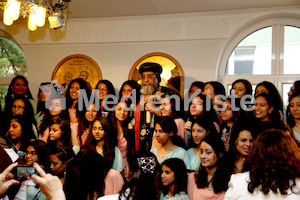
(83, 86)
(135, 86)
(168, 125)
(65, 137)
(91, 167)
(110, 140)
(48, 117)
(204, 123)
(41, 106)
(172, 96)
(180, 172)
(274, 115)
(221, 176)
(290, 118)
(274, 163)
(27, 133)
(41, 150)
(208, 113)
(246, 83)
(10, 93)
(142, 184)
(110, 90)
(27, 113)
(233, 155)
(273, 92)
(129, 138)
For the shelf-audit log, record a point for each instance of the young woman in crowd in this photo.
(196, 85)
(229, 117)
(269, 88)
(59, 134)
(266, 114)
(214, 90)
(85, 120)
(293, 115)
(174, 180)
(127, 88)
(57, 109)
(241, 143)
(240, 88)
(19, 134)
(63, 166)
(200, 106)
(200, 129)
(241, 94)
(104, 88)
(166, 134)
(103, 140)
(21, 106)
(274, 171)
(212, 179)
(46, 92)
(36, 152)
(120, 123)
(172, 106)
(75, 87)
(18, 87)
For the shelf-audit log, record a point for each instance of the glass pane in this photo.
(12, 59)
(291, 50)
(252, 55)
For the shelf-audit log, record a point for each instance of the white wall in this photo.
(195, 40)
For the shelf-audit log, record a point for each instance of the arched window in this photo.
(12, 62)
(265, 50)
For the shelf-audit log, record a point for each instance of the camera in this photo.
(23, 173)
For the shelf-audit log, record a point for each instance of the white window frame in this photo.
(276, 77)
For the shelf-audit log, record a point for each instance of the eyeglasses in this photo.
(18, 107)
(31, 152)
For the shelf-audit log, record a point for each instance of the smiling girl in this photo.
(266, 114)
(200, 129)
(240, 146)
(75, 87)
(211, 181)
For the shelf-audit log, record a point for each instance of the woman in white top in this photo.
(274, 170)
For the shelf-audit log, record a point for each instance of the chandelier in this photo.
(37, 12)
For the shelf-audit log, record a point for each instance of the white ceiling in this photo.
(119, 8)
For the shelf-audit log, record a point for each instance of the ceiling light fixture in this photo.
(37, 11)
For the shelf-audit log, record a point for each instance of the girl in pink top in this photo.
(120, 120)
(77, 87)
(211, 182)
